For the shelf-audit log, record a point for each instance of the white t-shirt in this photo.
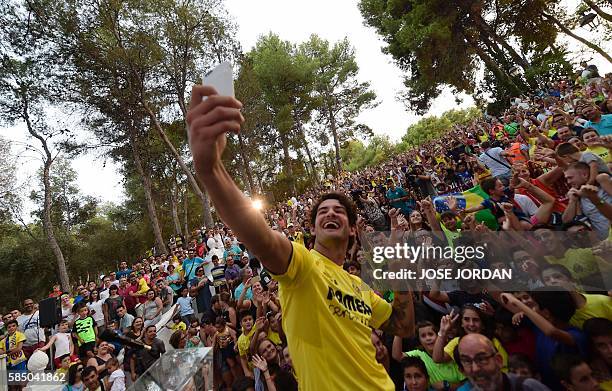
(62, 344)
(117, 378)
(527, 205)
(495, 162)
(104, 294)
(29, 325)
(98, 316)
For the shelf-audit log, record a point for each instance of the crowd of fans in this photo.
(545, 168)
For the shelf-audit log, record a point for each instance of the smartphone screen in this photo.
(221, 78)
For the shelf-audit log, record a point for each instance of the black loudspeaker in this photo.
(49, 312)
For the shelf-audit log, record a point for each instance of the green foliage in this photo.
(356, 155)
(431, 127)
(443, 43)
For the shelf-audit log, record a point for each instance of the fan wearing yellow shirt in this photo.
(244, 341)
(295, 235)
(12, 346)
(595, 145)
(327, 316)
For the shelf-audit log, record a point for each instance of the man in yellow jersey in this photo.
(327, 317)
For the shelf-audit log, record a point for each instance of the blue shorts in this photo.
(21, 367)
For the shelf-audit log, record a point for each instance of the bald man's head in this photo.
(475, 339)
(480, 362)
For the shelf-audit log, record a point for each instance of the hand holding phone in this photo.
(221, 78)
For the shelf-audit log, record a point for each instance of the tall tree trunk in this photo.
(245, 164)
(174, 205)
(248, 185)
(48, 227)
(491, 64)
(484, 27)
(332, 124)
(62, 271)
(578, 38)
(146, 185)
(287, 166)
(598, 10)
(197, 188)
(185, 214)
(313, 169)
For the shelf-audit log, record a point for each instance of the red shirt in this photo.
(130, 301)
(560, 201)
(525, 343)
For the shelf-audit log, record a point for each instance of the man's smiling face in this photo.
(332, 222)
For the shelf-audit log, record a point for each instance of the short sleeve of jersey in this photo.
(381, 310)
(301, 265)
(20, 337)
(450, 347)
(588, 157)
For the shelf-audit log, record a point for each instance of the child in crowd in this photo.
(186, 309)
(61, 342)
(177, 324)
(599, 334)
(64, 366)
(85, 332)
(554, 334)
(599, 171)
(244, 341)
(116, 378)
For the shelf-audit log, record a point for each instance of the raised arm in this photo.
(208, 122)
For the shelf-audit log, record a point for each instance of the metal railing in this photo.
(3, 373)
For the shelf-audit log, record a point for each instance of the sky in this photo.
(294, 21)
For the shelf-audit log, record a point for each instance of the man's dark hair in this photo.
(485, 145)
(351, 210)
(87, 371)
(557, 300)
(565, 149)
(411, 361)
(588, 130)
(558, 268)
(149, 326)
(245, 313)
(488, 184)
(12, 321)
(597, 327)
(520, 360)
(563, 363)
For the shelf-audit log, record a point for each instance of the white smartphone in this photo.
(221, 78)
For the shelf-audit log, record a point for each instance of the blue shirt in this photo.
(547, 347)
(248, 295)
(190, 266)
(185, 306)
(603, 127)
(234, 249)
(401, 205)
(123, 273)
